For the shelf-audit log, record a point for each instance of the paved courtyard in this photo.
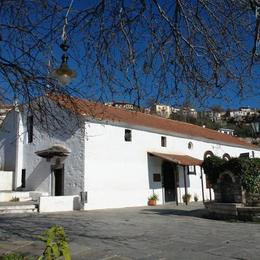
(162, 232)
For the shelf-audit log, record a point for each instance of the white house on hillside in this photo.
(161, 110)
(113, 157)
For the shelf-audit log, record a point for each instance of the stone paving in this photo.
(162, 232)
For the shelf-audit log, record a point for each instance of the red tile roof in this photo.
(179, 159)
(107, 113)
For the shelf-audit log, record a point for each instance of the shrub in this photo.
(247, 169)
(56, 244)
(14, 199)
(13, 256)
(153, 197)
(213, 166)
(186, 198)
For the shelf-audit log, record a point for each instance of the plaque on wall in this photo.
(156, 177)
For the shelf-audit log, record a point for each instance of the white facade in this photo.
(124, 177)
(108, 170)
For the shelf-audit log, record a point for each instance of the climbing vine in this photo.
(247, 169)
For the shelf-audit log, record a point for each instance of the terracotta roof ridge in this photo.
(111, 113)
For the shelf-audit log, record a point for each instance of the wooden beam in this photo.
(176, 187)
(210, 196)
(202, 185)
(185, 184)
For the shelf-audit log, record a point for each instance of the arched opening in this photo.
(208, 154)
(226, 156)
(226, 188)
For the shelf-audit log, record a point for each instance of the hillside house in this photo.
(110, 156)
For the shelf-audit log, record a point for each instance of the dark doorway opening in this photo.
(168, 173)
(58, 182)
(227, 192)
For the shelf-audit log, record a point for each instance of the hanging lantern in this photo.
(64, 74)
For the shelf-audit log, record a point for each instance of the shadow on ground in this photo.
(198, 213)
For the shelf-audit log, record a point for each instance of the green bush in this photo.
(56, 244)
(247, 169)
(13, 256)
(14, 199)
(213, 166)
(153, 197)
(186, 198)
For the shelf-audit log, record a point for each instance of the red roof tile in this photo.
(177, 158)
(107, 113)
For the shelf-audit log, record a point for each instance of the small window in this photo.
(190, 145)
(30, 129)
(163, 141)
(244, 155)
(23, 180)
(192, 170)
(128, 135)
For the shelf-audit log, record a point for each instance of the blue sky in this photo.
(230, 98)
(88, 83)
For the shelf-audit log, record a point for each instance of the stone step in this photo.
(18, 207)
(25, 199)
(6, 196)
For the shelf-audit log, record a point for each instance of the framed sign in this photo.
(156, 177)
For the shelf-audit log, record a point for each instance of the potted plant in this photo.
(186, 198)
(152, 200)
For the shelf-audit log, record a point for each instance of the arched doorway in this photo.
(226, 189)
(169, 181)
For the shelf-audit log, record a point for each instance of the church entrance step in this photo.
(18, 207)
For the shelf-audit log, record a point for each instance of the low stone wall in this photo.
(232, 211)
(249, 213)
(253, 200)
(59, 203)
(6, 183)
(228, 209)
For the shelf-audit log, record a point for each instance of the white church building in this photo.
(109, 157)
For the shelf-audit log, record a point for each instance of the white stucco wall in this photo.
(59, 203)
(114, 173)
(38, 169)
(118, 173)
(17, 154)
(8, 137)
(6, 180)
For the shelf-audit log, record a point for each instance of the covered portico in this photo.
(176, 167)
(55, 155)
